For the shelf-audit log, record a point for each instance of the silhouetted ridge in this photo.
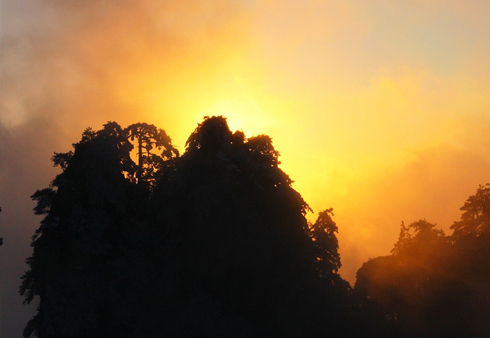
(211, 243)
(433, 285)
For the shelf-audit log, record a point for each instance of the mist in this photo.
(379, 131)
(433, 184)
(65, 66)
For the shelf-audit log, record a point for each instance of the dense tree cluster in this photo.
(138, 240)
(433, 285)
(211, 243)
(89, 249)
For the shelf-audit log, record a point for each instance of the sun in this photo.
(241, 114)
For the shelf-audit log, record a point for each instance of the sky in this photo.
(380, 109)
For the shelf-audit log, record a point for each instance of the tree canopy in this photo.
(138, 240)
(434, 285)
(213, 242)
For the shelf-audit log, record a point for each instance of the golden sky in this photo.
(380, 109)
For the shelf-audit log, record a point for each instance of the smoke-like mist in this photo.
(370, 118)
(433, 185)
(67, 65)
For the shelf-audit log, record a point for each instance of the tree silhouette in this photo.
(325, 243)
(211, 243)
(471, 244)
(147, 138)
(236, 235)
(408, 282)
(433, 285)
(475, 220)
(85, 244)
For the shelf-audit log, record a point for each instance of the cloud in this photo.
(67, 65)
(434, 184)
(24, 168)
(409, 145)
(368, 117)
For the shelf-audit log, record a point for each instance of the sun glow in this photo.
(230, 88)
(342, 126)
(246, 115)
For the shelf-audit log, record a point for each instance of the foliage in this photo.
(86, 237)
(475, 219)
(434, 285)
(149, 137)
(211, 243)
(326, 244)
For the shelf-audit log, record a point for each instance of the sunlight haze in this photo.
(379, 109)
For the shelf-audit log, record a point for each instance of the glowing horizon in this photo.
(379, 110)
